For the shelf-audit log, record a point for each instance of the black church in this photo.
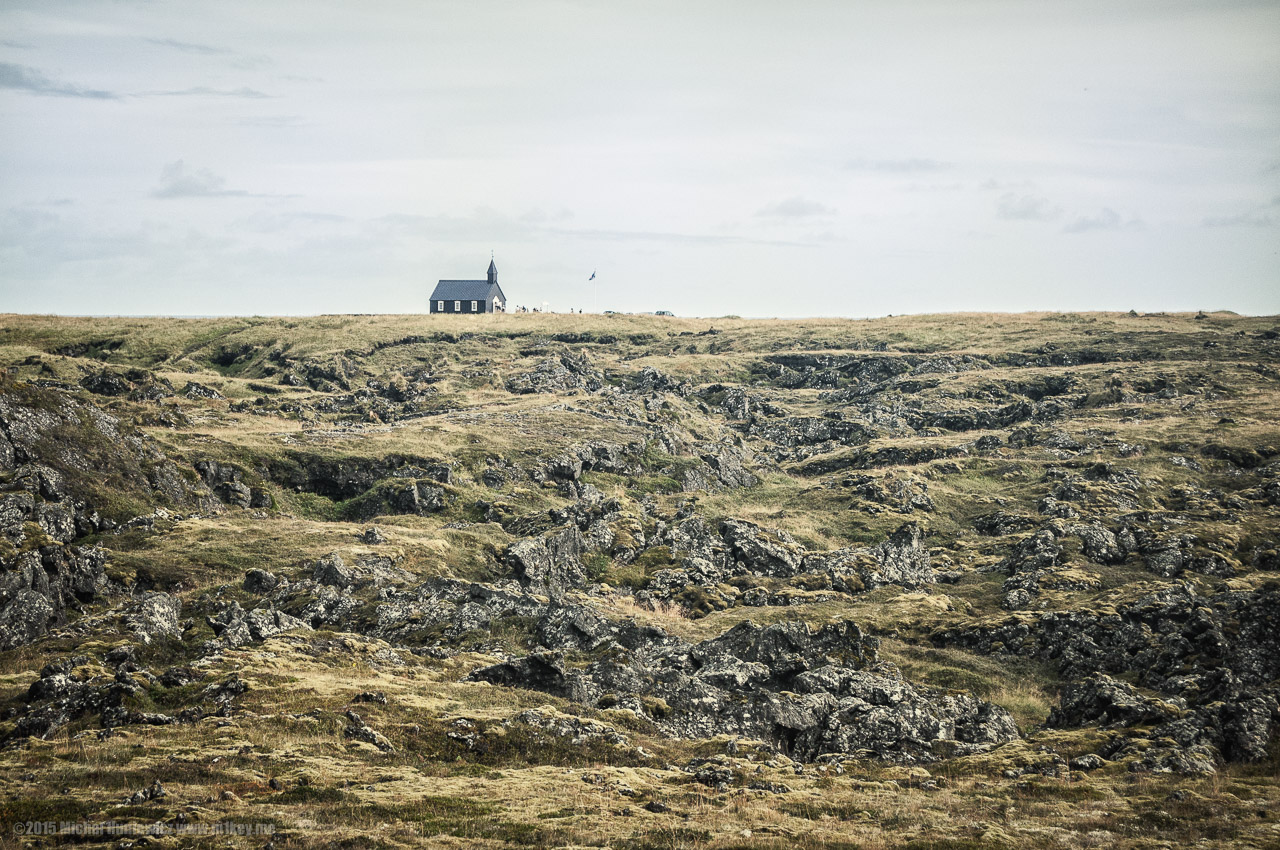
(470, 296)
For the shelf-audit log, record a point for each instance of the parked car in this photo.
(663, 313)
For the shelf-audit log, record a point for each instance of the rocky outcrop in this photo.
(1103, 700)
(69, 470)
(551, 564)
(562, 374)
(812, 430)
(722, 467)
(236, 627)
(904, 494)
(770, 553)
(902, 559)
(85, 463)
(596, 455)
(368, 571)
(73, 688)
(706, 560)
(805, 693)
(40, 587)
(446, 609)
(200, 391)
(416, 497)
(358, 730)
(345, 477)
(227, 482)
(1213, 662)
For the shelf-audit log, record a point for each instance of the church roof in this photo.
(466, 290)
(493, 269)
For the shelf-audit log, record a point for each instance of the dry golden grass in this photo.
(343, 793)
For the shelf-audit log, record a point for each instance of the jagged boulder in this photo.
(106, 383)
(561, 374)
(40, 586)
(812, 430)
(551, 564)
(358, 730)
(234, 627)
(25, 617)
(539, 671)
(724, 467)
(154, 615)
(901, 559)
(454, 607)
(1000, 523)
(1104, 700)
(771, 552)
(260, 581)
(200, 391)
(367, 571)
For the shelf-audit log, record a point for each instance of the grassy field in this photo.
(1162, 424)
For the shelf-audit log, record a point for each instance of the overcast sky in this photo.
(754, 158)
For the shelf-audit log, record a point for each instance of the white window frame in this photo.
(473, 306)
(439, 306)
(457, 306)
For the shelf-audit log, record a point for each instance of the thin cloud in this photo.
(177, 182)
(1248, 219)
(24, 78)
(796, 207)
(205, 91)
(241, 60)
(271, 121)
(1106, 219)
(910, 165)
(191, 47)
(674, 238)
(537, 215)
(1026, 208)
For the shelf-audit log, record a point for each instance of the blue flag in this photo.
(593, 276)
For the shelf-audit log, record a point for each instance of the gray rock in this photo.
(65, 576)
(368, 571)
(15, 510)
(1103, 700)
(1087, 762)
(55, 520)
(200, 391)
(154, 615)
(358, 730)
(260, 581)
(330, 570)
(901, 559)
(551, 564)
(26, 616)
(562, 374)
(234, 627)
(106, 383)
(771, 552)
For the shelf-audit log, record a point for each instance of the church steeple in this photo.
(493, 272)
